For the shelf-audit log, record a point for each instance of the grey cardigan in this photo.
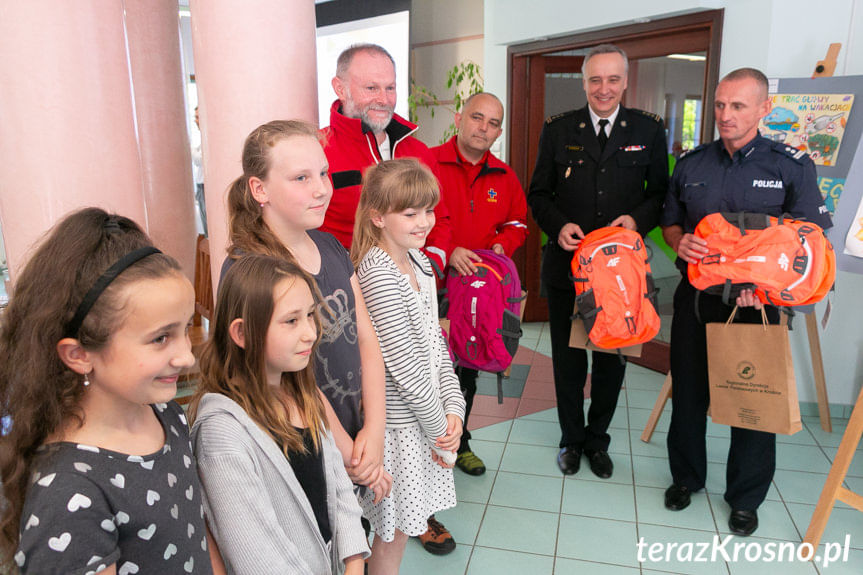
(257, 510)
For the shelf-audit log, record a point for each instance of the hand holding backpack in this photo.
(484, 314)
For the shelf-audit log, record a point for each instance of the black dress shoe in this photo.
(569, 460)
(677, 497)
(600, 463)
(743, 522)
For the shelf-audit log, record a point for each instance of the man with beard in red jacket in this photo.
(364, 131)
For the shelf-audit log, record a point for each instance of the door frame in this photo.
(695, 32)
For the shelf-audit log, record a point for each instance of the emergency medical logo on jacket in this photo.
(614, 289)
(788, 262)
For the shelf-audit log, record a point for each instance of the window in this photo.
(691, 134)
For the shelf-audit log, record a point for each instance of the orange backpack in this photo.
(614, 289)
(788, 262)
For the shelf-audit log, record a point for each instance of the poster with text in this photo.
(814, 123)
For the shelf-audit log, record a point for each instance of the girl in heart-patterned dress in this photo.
(97, 468)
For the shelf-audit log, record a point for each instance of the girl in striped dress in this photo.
(424, 405)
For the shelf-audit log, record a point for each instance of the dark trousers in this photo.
(752, 454)
(570, 375)
(467, 381)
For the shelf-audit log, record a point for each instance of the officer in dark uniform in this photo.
(742, 171)
(602, 165)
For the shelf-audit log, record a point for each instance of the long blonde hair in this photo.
(239, 373)
(391, 186)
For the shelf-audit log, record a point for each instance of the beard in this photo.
(378, 126)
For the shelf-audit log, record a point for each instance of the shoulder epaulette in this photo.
(694, 150)
(556, 117)
(655, 117)
(798, 156)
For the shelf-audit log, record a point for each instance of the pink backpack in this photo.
(484, 311)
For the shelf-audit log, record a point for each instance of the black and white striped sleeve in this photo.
(406, 354)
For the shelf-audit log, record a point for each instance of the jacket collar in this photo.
(757, 142)
(619, 133)
(449, 154)
(354, 128)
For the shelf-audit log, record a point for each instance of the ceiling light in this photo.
(690, 57)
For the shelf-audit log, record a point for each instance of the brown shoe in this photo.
(437, 540)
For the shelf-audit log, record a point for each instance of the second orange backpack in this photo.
(788, 262)
(614, 289)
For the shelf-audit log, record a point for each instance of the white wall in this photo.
(784, 38)
(443, 33)
(663, 86)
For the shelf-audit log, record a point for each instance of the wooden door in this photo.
(529, 63)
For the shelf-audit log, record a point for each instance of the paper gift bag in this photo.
(578, 338)
(751, 373)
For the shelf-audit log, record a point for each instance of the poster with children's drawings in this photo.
(814, 123)
(816, 115)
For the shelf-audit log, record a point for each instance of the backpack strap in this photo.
(587, 309)
(510, 333)
(491, 269)
(726, 292)
(520, 298)
(789, 311)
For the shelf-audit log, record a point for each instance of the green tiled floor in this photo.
(524, 518)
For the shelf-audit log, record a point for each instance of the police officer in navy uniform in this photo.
(601, 165)
(741, 171)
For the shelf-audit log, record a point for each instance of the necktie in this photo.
(602, 136)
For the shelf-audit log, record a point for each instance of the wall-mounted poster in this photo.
(814, 123)
(818, 115)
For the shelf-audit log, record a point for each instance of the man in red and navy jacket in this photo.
(487, 208)
(363, 131)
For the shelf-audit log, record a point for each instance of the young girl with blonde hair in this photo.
(425, 407)
(277, 497)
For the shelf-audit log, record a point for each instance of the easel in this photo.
(817, 368)
(833, 489)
